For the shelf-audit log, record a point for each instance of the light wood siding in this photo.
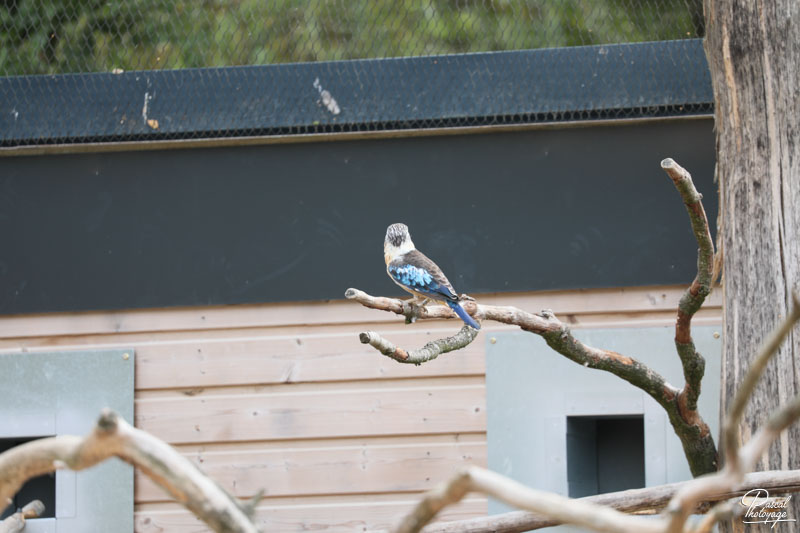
(284, 397)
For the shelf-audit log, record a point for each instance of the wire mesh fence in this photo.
(67, 36)
(291, 53)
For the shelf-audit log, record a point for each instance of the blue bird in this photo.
(418, 275)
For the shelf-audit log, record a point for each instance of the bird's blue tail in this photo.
(463, 315)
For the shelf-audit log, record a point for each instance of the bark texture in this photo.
(754, 57)
(429, 352)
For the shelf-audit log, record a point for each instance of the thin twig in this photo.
(430, 351)
(767, 351)
(726, 510)
(740, 461)
(112, 436)
(750, 453)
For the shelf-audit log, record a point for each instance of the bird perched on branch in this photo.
(418, 275)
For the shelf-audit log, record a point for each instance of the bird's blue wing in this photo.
(414, 278)
(418, 273)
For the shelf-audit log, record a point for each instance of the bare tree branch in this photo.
(404, 308)
(596, 512)
(16, 522)
(628, 501)
(430, 351)
(722, 511)
(112, 436)
(565, 510)
(692, 430)
(701, 446)
(693, 363)
(768, 350)
(679, 404)
(555, 333)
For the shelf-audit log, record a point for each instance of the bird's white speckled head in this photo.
(397, 242)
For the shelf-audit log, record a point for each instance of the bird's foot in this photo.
(416, 303)
(413, 307)
(466, 298)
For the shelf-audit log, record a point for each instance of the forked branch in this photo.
(680, 404)
(739, 461)
(692, 362)
(692, 431)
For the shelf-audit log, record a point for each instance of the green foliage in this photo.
(59, 36)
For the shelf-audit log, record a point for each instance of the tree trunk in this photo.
(753, 49)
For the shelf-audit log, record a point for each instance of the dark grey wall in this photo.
(544, 209)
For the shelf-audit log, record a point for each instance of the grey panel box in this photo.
(531, 390)
(58, 393)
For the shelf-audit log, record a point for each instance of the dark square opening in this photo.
(604, 454)
(39, 488)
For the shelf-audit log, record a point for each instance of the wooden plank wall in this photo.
(284, 397)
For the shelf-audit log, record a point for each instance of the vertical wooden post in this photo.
(753, 53)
